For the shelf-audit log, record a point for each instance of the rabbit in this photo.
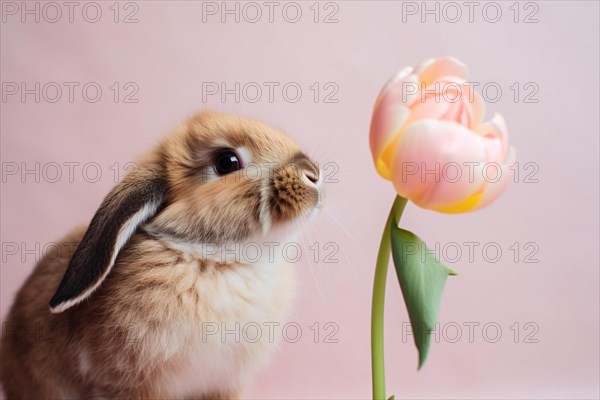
(136, 307)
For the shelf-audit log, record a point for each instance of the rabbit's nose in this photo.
(310, 178)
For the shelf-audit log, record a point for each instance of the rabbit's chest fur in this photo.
(197, 325)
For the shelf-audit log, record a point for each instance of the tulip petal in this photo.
(468, 204)
(438, 164)
(493, 153)
(494, 189)
(477, 107)
(434, 69)
(389, 115)
(429, 108)
(386, 124)
(495, 128)
(454, 102)
(398, 77)
(403, 91)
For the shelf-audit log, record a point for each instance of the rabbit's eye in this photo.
(226, 162)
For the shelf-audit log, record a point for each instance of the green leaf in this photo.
(422, 279)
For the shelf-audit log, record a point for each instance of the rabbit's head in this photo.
(216, 179)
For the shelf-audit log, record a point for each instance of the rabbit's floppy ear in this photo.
(131, 203)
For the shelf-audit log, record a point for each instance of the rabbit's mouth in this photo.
(295, 190)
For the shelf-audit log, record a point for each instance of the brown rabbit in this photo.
(139, 304)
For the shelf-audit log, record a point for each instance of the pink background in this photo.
(170, 51)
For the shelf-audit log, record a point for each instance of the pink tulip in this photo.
(428, 138)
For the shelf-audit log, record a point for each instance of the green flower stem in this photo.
(377, 309)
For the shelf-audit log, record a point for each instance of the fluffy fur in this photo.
(138, 302)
